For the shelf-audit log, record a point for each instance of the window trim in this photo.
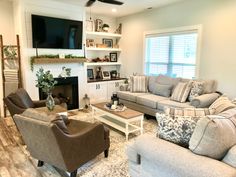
(178, 30)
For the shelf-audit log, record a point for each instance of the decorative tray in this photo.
(119, 108)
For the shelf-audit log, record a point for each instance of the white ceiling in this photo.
(129, 6)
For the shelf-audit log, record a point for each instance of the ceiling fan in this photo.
(90, 2)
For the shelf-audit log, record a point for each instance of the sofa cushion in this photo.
(149, 100)
(194, 112)
(170, 103)
(196, 90)
(222, 104)
(138, 84)
(209, 86)
(163, 90)
(176, 129)
(214, 135)
(152, 81)
(230, 157)
(129, 96)
(205, 100)
(166, 80)
(181, 91)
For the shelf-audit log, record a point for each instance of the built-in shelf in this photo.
(102, 63)
(103, 34)
(59, 60)
(104, 80)
(103, 49)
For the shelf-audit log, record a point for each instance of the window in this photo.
(172, 54)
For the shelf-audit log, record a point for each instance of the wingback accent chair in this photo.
(48, 143)
(19, 101)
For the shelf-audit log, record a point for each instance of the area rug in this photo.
(116, 165)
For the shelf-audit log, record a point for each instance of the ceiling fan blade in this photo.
(89, 3)
(112, 2)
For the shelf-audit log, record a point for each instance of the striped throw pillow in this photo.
(138, 84)
(181, 91)
(189, 112)
(222, 104)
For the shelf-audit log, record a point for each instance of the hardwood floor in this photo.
(15, 160)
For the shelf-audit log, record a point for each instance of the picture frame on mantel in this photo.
(113, 57)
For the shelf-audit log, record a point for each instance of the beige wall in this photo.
(6, 21)
(218, 48)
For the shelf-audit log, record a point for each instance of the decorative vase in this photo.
(50, 103)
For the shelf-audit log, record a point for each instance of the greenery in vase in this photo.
(45, 80)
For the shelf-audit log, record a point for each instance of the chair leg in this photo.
(74, 173)
(40, 163)
(106, 152)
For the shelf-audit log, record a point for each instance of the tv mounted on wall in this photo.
(56, 33)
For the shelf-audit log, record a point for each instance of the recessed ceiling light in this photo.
(113, 10)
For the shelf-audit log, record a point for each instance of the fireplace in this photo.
(66, 90)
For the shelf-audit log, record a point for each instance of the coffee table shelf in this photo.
(119, 120)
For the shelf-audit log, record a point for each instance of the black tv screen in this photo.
(56, 33)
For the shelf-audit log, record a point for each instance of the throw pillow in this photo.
(193, 112)
(58, 120)
(181, 91)
(176, 129)
(196, 90)
(138, 83)
(222, 104)
(213, 136)
(163, 90)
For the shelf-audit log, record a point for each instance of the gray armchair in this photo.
(19, 101)
(48, 143)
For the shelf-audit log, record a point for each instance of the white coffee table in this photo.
(122, 121)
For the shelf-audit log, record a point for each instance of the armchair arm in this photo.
(205, 100)
(230, 157)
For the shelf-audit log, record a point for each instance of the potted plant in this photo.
(46, 82)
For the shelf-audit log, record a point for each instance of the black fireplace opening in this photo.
(66, 90)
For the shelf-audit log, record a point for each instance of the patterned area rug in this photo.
(116, 165)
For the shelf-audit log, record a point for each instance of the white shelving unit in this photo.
(88, 33)
(103, 49)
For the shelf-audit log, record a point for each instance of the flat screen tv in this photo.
(56, 33)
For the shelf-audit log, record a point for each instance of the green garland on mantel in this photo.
(32, 59)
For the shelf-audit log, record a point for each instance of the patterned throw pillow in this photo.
(222, 104)
(181, 91)
(196, 90)
(177, 130)
(193, 112)
(138, 84)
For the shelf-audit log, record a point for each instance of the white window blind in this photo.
(171, 54)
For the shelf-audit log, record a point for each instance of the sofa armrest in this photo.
(230, 157)
(174, 159)
(205, 100)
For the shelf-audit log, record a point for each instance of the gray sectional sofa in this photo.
(150, 103)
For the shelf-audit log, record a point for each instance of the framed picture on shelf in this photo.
(108, 42)
(90, 75)
(90, 43)
(113, 57)
(98, 25)
(106, 75)
(89, 25)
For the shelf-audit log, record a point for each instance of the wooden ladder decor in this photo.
(11, 75)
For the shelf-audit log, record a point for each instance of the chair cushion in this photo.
(177, 129)
(170, 103)
(149, 100)
(222, 104)
(194, 112)
(181, 91)
(214, 135)
(129, 96)
(138, 84)
(21, 99)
